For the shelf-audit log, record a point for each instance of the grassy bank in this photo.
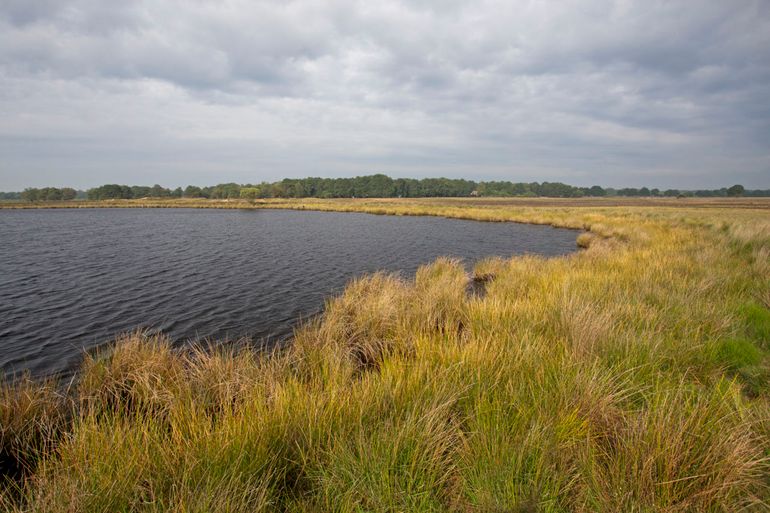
(403, 206)
(631, 376)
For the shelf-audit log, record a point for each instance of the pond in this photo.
(71, 279)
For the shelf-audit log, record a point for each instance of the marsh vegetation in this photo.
(631, 376)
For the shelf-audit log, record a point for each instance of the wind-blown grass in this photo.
(630, 376)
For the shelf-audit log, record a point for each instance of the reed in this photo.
(629, 376)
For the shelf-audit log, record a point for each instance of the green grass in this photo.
(757, 320)
(629, 376)
(736, 353)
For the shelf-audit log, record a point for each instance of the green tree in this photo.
(193, 191)
(250, 192)
(110, 191)
(736, 190)
(140, 191)
(226, 190)
(596, 190)
(279, 190)
(30, 194)
(156, 191)
(50, 194)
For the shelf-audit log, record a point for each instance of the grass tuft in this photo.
(757, 320)
(33, 416)
(737, 353)
(584, 240)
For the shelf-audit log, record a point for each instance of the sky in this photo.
(669, 94)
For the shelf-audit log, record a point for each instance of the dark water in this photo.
(71, 279)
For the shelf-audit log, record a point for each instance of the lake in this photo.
(71, 279)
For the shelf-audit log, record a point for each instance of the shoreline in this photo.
(480, 202)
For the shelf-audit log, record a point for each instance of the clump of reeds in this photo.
(139, 374)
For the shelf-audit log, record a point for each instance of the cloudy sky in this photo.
(616, 93)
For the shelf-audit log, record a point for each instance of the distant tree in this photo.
(47, 194)
(30, 194)
(279, 191)
(110, 191)
(156, 191)
(736, 190)
(757, 193)
(380, 186)
(177, 193)
(140, 191)
(192, 191)
(68, 193)
(595, 190)
(250, 192)
(557, 190)
(50, 194)
(225, 190)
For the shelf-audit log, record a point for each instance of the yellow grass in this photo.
(630, 376)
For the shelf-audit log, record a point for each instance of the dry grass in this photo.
(630, 376)
(33, 416)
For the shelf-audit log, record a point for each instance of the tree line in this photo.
(43, 194)
(373, 186)
(382, 186)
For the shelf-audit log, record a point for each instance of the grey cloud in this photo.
(613, 92)
(24, 12)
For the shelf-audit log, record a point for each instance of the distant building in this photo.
(474, 193)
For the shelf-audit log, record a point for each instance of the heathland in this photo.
(633, 375)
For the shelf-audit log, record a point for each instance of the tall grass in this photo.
(629, 376)
(32, 417)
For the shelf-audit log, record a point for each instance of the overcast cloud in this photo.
(617, 93)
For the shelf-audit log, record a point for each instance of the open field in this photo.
(631, 376)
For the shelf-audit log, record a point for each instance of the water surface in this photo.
(72, 279)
